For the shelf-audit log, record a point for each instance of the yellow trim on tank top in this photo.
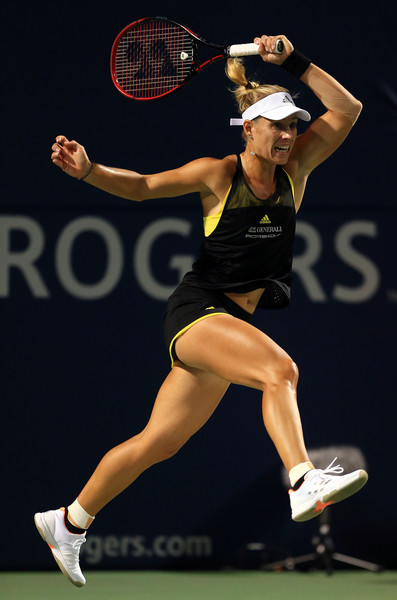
(176, 336)
(291, 184)
(211, 222)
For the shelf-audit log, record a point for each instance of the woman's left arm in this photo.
(327, 132)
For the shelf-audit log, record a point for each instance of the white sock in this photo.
(299, 471)
(79, 515)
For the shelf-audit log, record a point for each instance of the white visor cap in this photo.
(275, 107)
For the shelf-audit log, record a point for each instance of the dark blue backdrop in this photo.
(84, 277)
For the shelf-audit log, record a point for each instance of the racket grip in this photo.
(251, 49)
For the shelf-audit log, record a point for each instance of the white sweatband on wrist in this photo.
(80, 516)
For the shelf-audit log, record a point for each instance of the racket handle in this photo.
(251, 49)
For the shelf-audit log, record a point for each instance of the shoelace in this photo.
(68, 549)
(80, 541)
(73, 556)
(330, 470)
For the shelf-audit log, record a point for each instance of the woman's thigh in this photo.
(185, 402)
(234, 351)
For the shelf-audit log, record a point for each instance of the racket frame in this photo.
(224, 52)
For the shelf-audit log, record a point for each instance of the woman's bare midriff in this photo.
(248, 300)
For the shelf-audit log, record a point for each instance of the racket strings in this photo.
(153, 58)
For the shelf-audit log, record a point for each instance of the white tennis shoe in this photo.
(65, 546)
(323, 487)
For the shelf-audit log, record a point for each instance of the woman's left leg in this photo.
(240, 353)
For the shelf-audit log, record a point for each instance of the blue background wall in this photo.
(84, 277)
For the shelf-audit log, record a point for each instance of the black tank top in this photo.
(248, 243)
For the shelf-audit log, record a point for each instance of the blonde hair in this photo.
(247, 92)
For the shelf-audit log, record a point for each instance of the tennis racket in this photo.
(155, 56)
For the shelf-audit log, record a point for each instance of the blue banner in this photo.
(84, 279)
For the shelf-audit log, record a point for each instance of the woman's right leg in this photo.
(184, 403)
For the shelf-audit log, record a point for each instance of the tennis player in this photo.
(249, 204)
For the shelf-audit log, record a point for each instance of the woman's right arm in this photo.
(197, 176)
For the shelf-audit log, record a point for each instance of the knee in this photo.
(293, 372)
(145, 449)
(163, 448)
(167, 449)
(283, 371)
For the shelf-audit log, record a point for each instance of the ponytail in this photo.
(247, 92)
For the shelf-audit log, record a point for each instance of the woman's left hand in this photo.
(267, 46)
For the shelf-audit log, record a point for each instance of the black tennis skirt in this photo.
(190, 304)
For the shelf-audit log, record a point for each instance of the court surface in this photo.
(216, 585)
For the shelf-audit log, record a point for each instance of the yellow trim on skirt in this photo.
(176, 336)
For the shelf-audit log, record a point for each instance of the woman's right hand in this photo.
(71, 157)
(267, 46)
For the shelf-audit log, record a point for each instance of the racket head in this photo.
(152, 57)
